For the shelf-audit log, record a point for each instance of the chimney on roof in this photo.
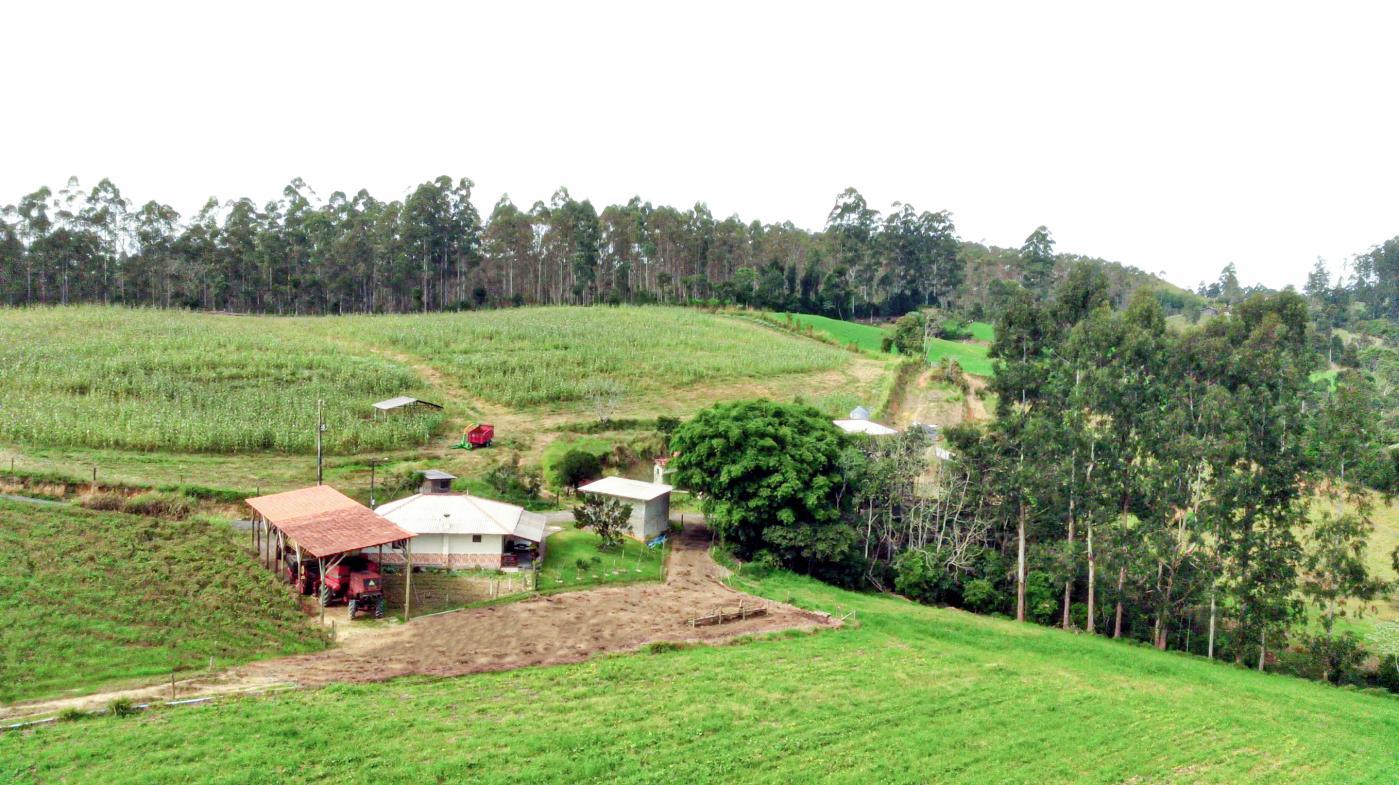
(435, 481)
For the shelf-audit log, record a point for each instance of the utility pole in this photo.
(320, 429)
(373, 464)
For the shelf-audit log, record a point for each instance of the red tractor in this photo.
(358, 582)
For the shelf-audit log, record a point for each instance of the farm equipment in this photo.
(478, 435)
(356, 580)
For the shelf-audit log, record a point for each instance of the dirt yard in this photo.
(548, 630)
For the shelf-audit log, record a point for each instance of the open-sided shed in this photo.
(323, 525)
(401, 403)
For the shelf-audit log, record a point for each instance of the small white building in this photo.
(650, 503)
(869, 427)
(458, 531)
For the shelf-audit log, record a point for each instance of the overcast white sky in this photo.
(1175, 138)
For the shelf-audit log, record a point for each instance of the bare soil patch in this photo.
(546, 630)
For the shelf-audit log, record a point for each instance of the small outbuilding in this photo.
(403, 403)
(869, 427)
(458, 531)
(859, 413)
(650, 503)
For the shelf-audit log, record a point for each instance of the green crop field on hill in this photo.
(906, 694)
(113, 378)
(868, 337)
(89, 598)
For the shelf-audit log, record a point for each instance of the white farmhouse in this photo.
(458, 531)
(650, 503)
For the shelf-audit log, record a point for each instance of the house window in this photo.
(475, 538)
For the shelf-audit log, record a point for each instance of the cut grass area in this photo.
(1329, 377)
(865, 336)
(982, 331)
(88, 598)
(905, 694)
(971, 356)
(633, 562)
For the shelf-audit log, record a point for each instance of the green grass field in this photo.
(868, 337)
(89, 598)
(908, 694)
(633, 562)
(971, 356)
(982, 331)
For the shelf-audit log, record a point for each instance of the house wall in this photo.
(431, 550)
(650, 519)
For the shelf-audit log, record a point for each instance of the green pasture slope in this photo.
(89, 598)
(971, 356)
(865, 336)
(906, 694)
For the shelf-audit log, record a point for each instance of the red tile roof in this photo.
(324, 521)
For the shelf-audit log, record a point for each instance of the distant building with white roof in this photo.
(459, 531)
(650, 503)
(869, 427)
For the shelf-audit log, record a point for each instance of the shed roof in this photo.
(401, 401)
(436, 474)
(859, 413)
(627, 489)
(324, 521)
(459, 513)
(864, 426)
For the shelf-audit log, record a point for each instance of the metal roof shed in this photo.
(650, 503)
(401, 402)
(869, 427)
(324, 524)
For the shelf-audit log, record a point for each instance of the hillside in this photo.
(90, 598)
(171, 397)
(904, 694)
(970, 354)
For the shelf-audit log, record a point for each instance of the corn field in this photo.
(534, 356)
(117, 378)
(180, 382)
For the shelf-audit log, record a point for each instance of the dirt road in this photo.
(548, 630)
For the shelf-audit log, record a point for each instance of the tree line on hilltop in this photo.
(434, 250)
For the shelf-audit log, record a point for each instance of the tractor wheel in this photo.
(352, 610)
(379, 608)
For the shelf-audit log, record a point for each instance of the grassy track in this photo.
(89, 597)
(911, 695)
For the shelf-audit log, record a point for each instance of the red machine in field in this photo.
(478, 435)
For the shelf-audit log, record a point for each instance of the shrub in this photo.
(577, 467)
(980, 595)
(102, 500)
(122, 707)
(157, 505)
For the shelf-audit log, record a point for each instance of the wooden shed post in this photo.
(407, 578)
